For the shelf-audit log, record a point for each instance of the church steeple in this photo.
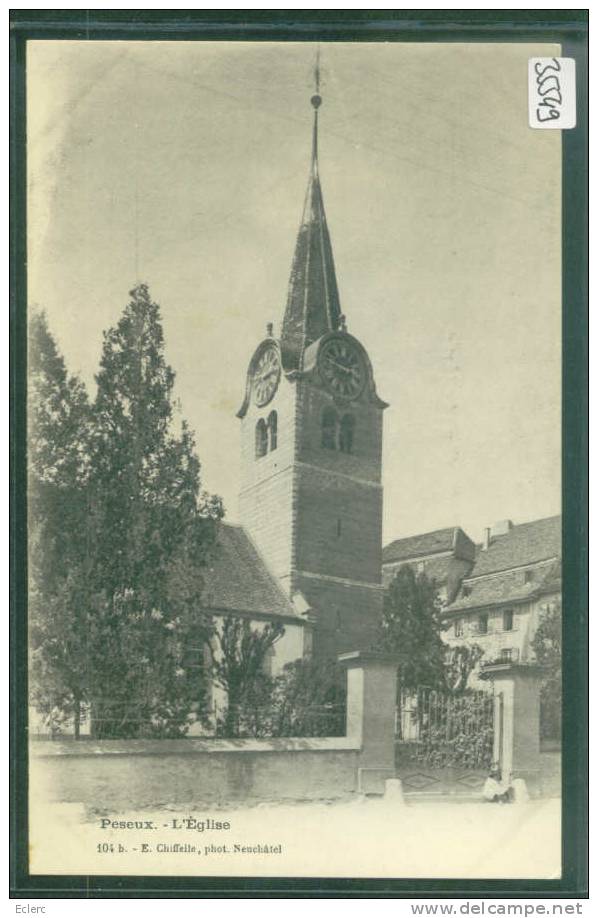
(311, 448)
(313, 306)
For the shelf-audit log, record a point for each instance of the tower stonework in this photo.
(311, 441)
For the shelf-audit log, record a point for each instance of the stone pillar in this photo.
(371, 707)
(516, 689)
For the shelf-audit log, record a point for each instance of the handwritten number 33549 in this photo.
(549, 89)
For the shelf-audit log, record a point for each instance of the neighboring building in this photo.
(445, 556)
(515, 578)
(493, 594)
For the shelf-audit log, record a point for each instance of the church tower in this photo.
(311, 441)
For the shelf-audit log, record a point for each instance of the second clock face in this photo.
(266, 376)
(342, 368)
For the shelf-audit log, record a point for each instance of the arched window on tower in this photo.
(273, 430)
(347, 429)
(261, 439)
(329, 426)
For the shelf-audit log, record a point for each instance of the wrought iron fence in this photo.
(441, 729)
(120, 720)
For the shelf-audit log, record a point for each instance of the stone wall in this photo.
(116, 775)
(120, 775)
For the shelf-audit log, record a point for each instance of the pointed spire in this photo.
(313, 306)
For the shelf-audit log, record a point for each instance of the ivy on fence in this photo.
(439, 729)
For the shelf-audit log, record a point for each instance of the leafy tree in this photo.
(58, 473)
(152, 532)
(309, 699)
(239, 654)
(411, 628)
(460, 662)
(547, 648)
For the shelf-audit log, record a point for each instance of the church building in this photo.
(308, 551)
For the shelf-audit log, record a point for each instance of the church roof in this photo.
(313, 305)
(237, 580)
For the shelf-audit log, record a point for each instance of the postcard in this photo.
(294, 444)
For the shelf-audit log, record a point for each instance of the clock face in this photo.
(342, 368)
(266, 376)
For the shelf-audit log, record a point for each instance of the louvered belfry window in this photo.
(273, 430)
(346, 433)
(261, 439)
(329, 428)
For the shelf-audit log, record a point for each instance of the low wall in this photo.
(118, 775)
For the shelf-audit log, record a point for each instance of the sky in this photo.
(185, 164)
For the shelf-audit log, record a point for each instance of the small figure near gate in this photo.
(495, 789)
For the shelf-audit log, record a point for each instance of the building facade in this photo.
(493, 594)
(515, 579)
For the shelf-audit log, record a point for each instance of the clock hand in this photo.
(339, 365)
(264, 376)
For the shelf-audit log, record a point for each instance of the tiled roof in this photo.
(419, 545)
(237, 579)
(437, 569)
(524, 544)
(504, 587)
(552, 582)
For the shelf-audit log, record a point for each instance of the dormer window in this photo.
(528, 576)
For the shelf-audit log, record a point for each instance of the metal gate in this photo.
(444, 742)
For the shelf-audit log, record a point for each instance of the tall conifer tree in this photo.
(411, 630)
(58, 447)
(152, 533)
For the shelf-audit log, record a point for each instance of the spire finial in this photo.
(316, 100)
